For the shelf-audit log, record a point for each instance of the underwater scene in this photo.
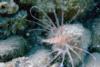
(49, 33)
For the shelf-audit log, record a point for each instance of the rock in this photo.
(73, 9)
(17, 62)
(70, 7)
(65, 5)
(39, 59)
(96, 35)
(8, 6)
(3, 22)
(22, 14)
(2, 65)
(91, 62)
(3, 28)
(27, 1)
(13, 23)
(12, 47)
(17, 22)
(4, 34)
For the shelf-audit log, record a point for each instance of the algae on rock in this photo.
(12, 47)
(48, 5)
(71, 8)
(14, 23)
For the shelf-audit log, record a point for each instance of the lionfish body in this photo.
(71, 40)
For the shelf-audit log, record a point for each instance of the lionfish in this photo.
(67, 39)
